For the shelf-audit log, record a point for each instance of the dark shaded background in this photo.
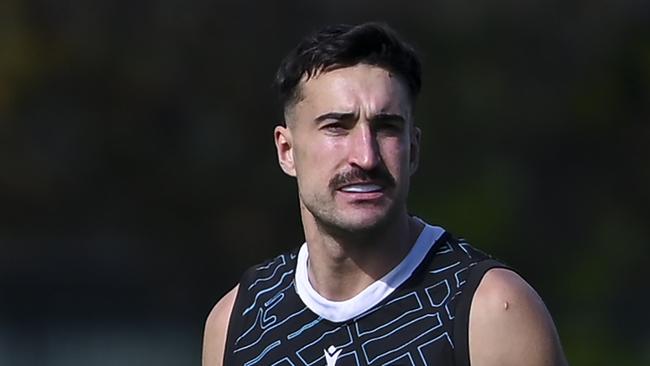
(138, 175)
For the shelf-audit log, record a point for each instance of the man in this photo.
(372, 285)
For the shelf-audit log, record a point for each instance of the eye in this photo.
(391, 127)
(334, 128)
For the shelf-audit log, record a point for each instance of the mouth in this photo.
(366, 187)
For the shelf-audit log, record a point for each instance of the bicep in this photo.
(510, 325)
(216, 330)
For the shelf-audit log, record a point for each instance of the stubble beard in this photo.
(348, 220)
(334, 221)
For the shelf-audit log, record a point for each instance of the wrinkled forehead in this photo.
(358, 89)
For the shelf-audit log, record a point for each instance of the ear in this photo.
(284, 147)
(414, 150)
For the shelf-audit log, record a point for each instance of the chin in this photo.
(361, 222)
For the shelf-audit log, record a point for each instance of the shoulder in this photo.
(257, 285)
(216, 329)
(510, 325)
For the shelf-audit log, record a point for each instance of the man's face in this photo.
(351, 144)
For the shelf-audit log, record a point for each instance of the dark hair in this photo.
(344, 45)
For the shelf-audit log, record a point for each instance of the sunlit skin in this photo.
(359, 119)
(351, 144)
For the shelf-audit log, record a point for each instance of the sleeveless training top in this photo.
(416, 315)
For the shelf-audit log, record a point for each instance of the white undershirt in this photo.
(339, 311)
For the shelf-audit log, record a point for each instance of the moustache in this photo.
(378, 175)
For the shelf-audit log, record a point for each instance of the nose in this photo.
(364, 149)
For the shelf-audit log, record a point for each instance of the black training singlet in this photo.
(424, 321)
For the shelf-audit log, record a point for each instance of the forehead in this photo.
(358, 88)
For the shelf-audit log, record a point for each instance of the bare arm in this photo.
(216, 329)
(510, 325)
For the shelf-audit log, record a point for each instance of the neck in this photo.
(342, 264)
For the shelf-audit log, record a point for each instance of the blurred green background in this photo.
(138, 175)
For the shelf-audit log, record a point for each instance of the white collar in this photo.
(340, 311)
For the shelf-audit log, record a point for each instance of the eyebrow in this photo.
(388, 117)
(339, 116)
(335, 115)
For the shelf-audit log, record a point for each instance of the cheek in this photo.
(319, 150)
(314, 161)
(396, 155)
